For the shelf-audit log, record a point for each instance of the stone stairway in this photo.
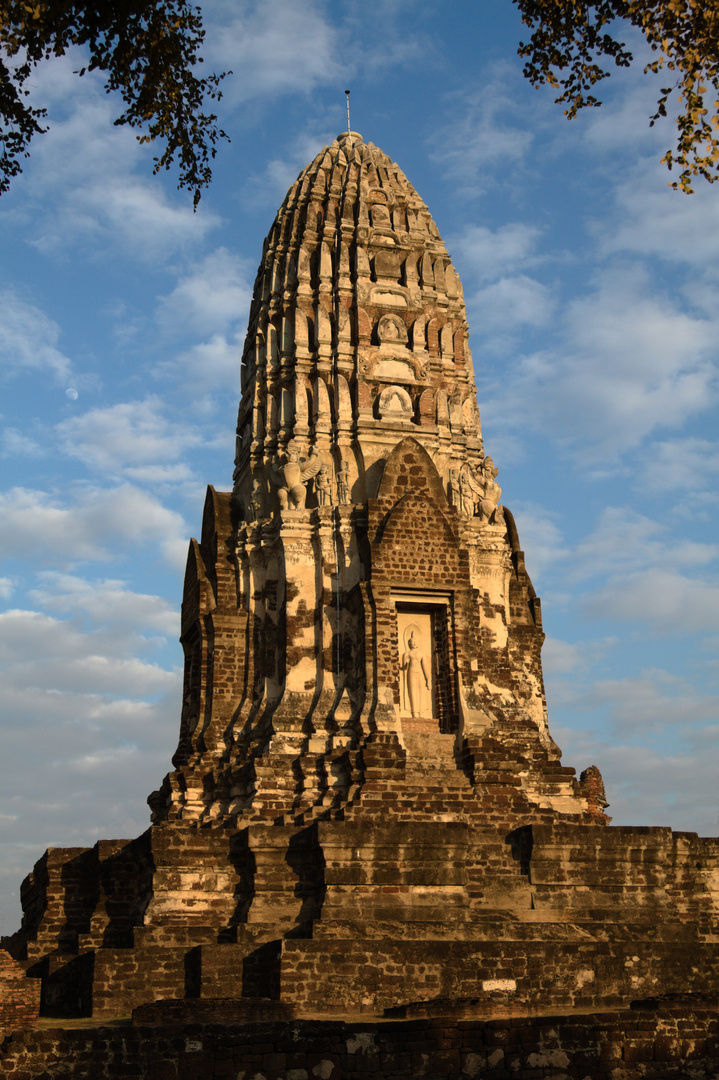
(431, 759)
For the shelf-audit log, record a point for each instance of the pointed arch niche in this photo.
(425, 646)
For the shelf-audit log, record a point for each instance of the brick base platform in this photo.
(672, 1043)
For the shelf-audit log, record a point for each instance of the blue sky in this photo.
(592, 290)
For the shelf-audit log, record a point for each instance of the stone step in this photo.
(422, 744)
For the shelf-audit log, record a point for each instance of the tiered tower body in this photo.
(367, 809)
(363, 505)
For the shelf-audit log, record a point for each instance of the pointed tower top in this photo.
(357, 338)
(353, 136)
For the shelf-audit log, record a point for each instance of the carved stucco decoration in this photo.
(323, 487)
(296, 553)
(357, 337)
(392, 360)
(392, 365)
(392, 331)
(476, 490)
(470, 415)
(395, 404)
(291, 476)
(255, 510)
(415, 667)
(343, 484)
(492, 492)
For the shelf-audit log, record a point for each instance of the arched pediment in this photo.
(416, 510)
(410, 468)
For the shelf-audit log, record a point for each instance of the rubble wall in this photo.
(667, 1044)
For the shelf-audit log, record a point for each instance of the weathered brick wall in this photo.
(410, 910)
(567, 974)
(671, 1044)
(19, 997)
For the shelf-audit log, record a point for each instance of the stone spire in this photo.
(362, 580)
(357, 337)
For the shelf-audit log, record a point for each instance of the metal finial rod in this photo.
(348, 111)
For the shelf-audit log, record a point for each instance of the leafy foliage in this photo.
(570, 37)
(146, 48)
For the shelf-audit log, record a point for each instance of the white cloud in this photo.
(7, 587)
(133, 214)
(106, 602)
(215, 294)
(647, 336)
(509, 303)
(83, 525)
(672, 789)
(100, 760)
(688, 466)
(485, 129)
(652, 219)
(15, 444)
(653, 736)
(670, 602)
(508, 299)
(560, 657)
(637, 570)
(28, 339)
(652, 700)
(630, 569)
(541, 537)
(491, 254)
(291, 47)
(269, 187)
(641, 362)
(622, 123)
(156, 476)
(77, 767)
(32, 640)
(625, 540)
(89, 718)
(134, 433)
(629, 361)
(647, 785)
(274, 47)
(65, 674)
(209, 366)
(90, 182)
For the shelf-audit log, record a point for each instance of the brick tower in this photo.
(364, 515)
(367, 809)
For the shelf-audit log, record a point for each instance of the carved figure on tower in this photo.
(255, 505)
(323, 487)
(291, 476)
(491, 492)
(343, 484)
(414, 666)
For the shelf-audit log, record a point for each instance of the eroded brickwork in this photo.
(680, 1043)
(19, 996)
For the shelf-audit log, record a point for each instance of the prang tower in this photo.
(363, 559)
(367, 811)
